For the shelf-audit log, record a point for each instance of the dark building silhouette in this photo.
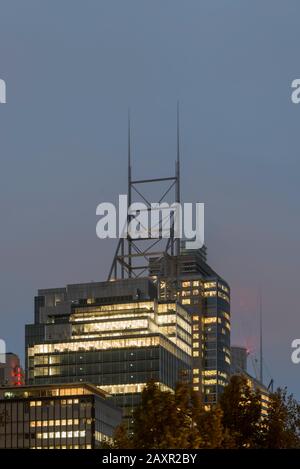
(70, 416)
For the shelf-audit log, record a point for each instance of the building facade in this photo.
(118, 343)
(11, 372)
(239, 356)
(73, 416)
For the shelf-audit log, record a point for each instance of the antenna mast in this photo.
(133, 255)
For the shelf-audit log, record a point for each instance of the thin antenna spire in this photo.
(129, 143)
(260, 336)
(178, 155)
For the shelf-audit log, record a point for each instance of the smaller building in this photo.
(70, 416)
(264, 392)
(11, 372)
(239, 356)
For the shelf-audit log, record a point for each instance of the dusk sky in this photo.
(72, 69)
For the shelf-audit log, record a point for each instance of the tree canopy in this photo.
(173, 420)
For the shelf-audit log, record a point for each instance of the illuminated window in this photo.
(210, 320)
(210, 382)
(186, 301)
(208, 285)
(209, 372)
(210, 293)
(224, 288)
(223, 296)
(195, 353)
(186, 284)
(186, 293)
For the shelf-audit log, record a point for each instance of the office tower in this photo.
(116, 335)
(180, 274)
(206, 296)
(11, 372)
(239, 357)
(125, 343)
(75, 416)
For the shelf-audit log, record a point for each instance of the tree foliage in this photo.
(241, 412)
(281, 428)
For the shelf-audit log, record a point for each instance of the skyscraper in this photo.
(90, 328)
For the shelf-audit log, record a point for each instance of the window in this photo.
(208, 285)
(186, 284)
(186, 293)
(186, 301)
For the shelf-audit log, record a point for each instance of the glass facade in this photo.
(207, 298)
(118, 347)
(56, 417)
